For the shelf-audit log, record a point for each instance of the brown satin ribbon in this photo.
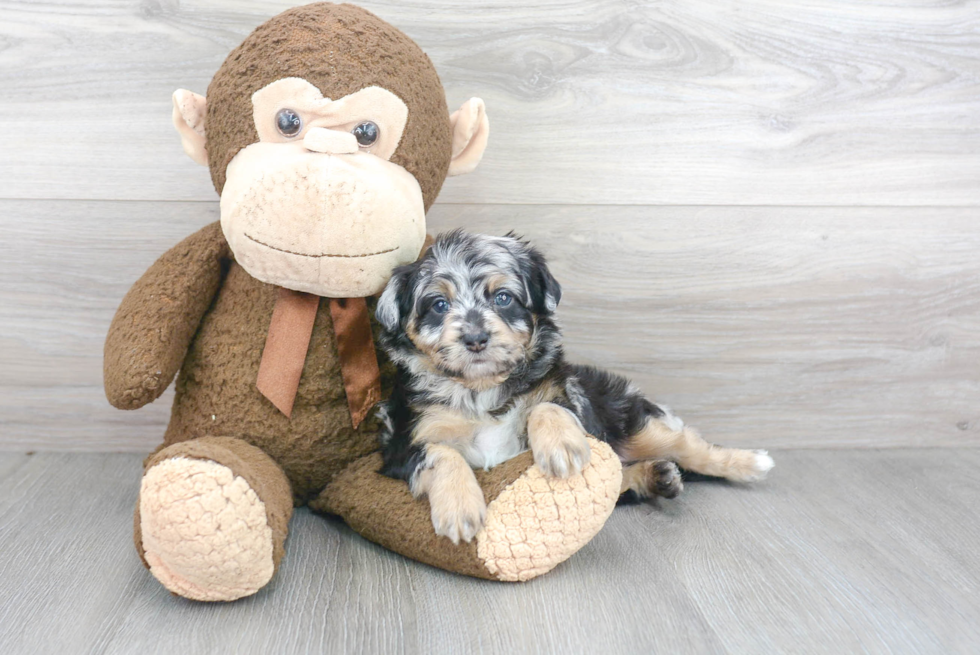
(289, 340)
(358, 359)
(286, 346)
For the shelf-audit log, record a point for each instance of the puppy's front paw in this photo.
(563, 457)
(458, 511)
(557, 441)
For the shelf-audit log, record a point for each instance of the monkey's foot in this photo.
(205, 533)
(538, 521)
(212, 518)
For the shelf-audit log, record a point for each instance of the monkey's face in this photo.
(327, 194)
(315, 205)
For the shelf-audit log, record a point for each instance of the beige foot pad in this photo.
(537, 522)
(205, 534)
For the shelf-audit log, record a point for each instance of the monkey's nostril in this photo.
(476, 341)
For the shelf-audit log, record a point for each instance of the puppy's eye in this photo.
(366, 134)
(288, 122)
(503, 299)
(440, 306)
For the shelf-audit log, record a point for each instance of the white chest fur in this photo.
(497, 440)
(490, 439)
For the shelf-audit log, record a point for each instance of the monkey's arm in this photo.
(157, 319)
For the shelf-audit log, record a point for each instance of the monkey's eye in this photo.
(288, 122)
(503, 299)
(366, 134)
(440, 306)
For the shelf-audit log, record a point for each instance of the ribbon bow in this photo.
(289, 340)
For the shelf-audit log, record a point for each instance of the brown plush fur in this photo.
(339, 49)
(317, 440)
(216, 392)
(157, 319)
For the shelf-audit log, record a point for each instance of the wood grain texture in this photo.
(760, 326)
(763, 102)
(839, 551)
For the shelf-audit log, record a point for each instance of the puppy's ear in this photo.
(395, 302)
(543, 289)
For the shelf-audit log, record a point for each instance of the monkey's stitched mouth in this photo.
(303, 254)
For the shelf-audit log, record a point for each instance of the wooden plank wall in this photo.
(767, 213)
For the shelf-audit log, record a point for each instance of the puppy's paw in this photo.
(664, 479)
(750, 466)
(458, 512)
(761, 465)
(564, 456)
(658, 477)
(557, 441)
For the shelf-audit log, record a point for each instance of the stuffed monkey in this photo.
(327, 137)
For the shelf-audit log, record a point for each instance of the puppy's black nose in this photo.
(476, 341)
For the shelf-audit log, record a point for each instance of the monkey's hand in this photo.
(157, 319)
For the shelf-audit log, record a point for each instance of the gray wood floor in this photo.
(840, 551)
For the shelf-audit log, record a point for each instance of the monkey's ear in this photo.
(188, 115)
(470, 131)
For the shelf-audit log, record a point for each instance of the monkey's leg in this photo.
(212, 517)
(533, 521)
(671, 439)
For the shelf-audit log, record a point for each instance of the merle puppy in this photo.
(482, 377)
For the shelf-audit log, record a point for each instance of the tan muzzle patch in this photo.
(330, 225)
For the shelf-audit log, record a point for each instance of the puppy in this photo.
(482, 377)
